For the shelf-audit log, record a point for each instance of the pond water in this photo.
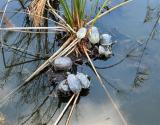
(132, 78)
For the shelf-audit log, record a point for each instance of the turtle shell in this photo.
(62, 63)
(74, 83)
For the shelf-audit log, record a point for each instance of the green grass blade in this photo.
(100, 11)
(82, 8)
(67, 12)
(108, 11)
(93, 8)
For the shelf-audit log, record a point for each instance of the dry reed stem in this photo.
(28, 13)
(58, 16)
(40, 32)
(37, 9)
(46, 63)
(1, 34)
(105, 89)
(78, 53)
(63, 111)
(33, 28)
(73, 44)
(71, 111)
(26, 29)
(70, 51)
(59, 52)
(66, 46)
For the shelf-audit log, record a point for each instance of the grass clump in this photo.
(37, 8)
(74, 19)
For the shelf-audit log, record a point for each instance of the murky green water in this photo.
(134, 86)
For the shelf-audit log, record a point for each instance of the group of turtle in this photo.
(75, 82)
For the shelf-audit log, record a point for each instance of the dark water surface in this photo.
(134, 86)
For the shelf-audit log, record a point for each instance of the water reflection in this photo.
(36, 103)
(142, 73)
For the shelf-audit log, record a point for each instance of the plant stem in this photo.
(105, 89)
(65, 108)
(108, 11)
(71, 111)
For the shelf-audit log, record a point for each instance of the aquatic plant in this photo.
(37, 8)
(80, 32)
(72, 43)
(73, 22)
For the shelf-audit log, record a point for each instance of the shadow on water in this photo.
(37, 104)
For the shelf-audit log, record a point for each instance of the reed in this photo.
(75, 18)
(37, 8)
(70, 28)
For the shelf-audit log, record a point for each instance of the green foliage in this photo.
(76, 12)
(76, 15)
(100, 11)
(67, 12)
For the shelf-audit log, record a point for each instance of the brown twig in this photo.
(71, 111)
(105, 89)
(64, 110)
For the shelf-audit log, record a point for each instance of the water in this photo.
(137, 100)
